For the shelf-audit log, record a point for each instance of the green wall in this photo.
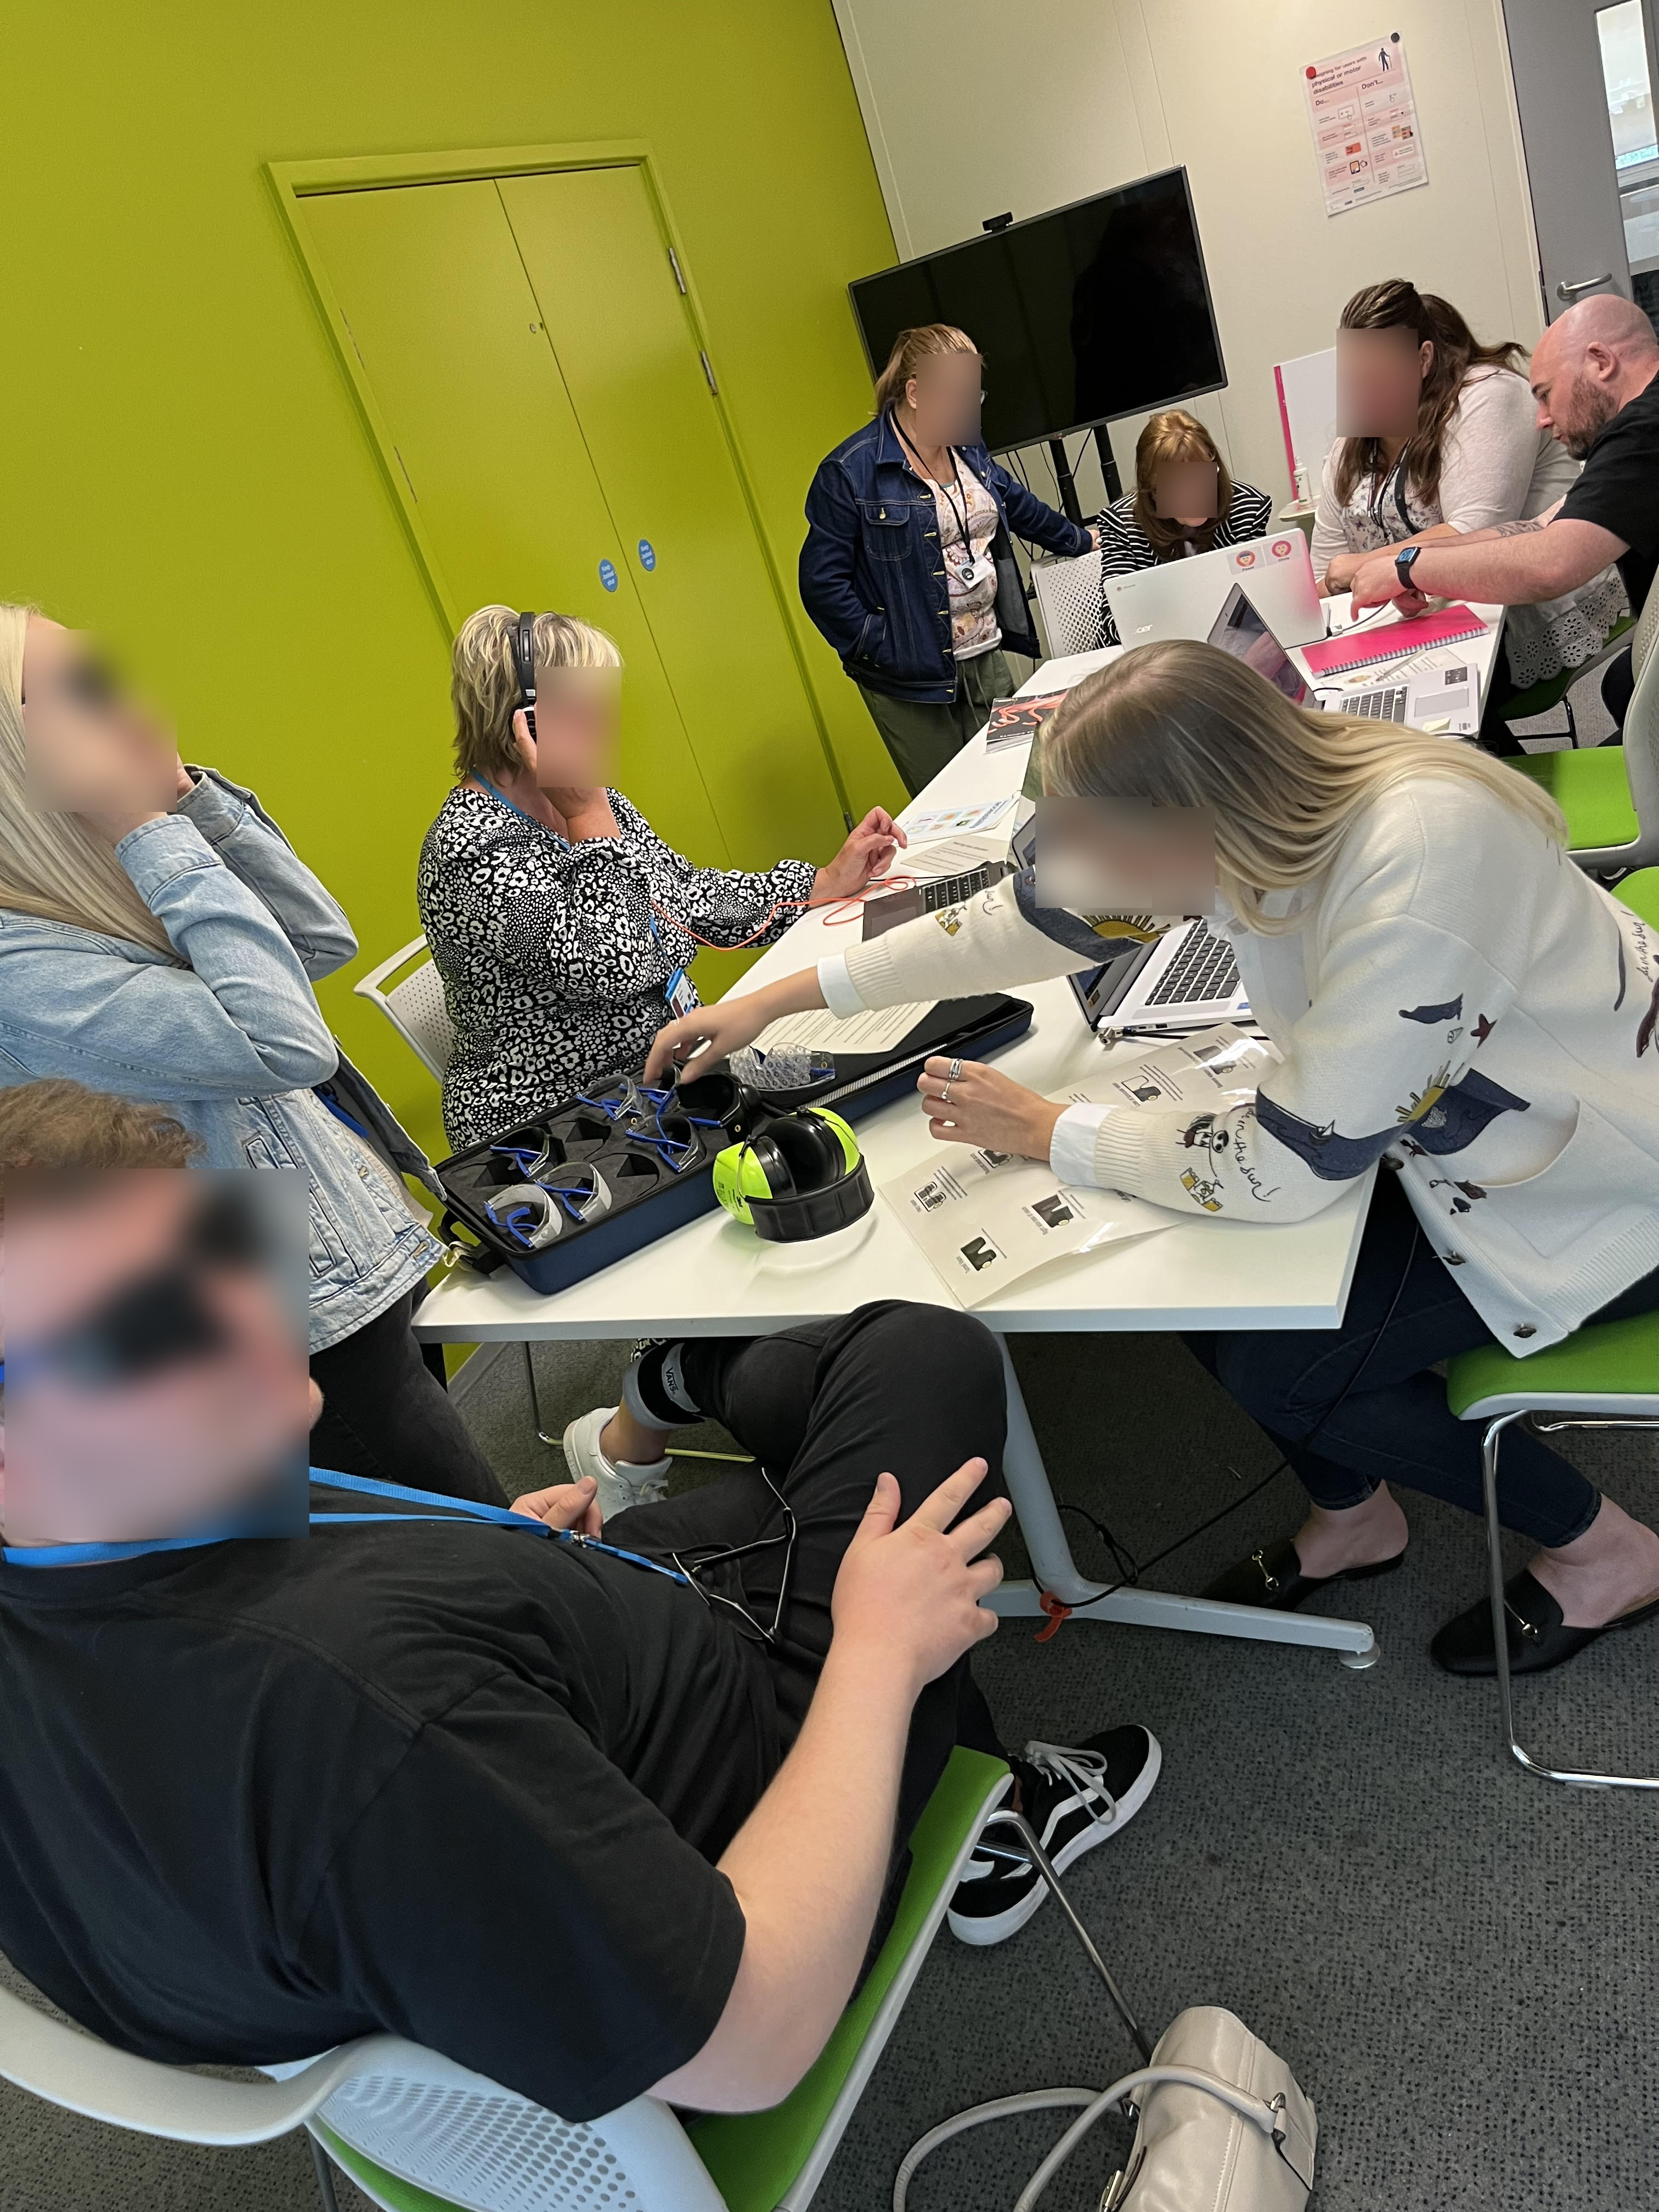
(185, 469)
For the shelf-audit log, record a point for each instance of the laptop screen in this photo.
(1239, 629)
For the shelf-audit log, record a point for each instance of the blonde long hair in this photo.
(1180, 723)
(50, 864)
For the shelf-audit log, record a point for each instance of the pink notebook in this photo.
(1392, 641)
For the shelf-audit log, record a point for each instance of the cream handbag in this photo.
(1222, 2126)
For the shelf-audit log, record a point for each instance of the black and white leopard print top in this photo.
(553, 964)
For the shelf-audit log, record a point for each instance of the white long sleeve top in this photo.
(1455, 997)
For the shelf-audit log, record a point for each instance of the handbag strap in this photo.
(1268, 2119)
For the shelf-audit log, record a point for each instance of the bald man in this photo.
(1593, 375)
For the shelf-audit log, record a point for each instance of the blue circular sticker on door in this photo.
(608, 574)
(647, 554)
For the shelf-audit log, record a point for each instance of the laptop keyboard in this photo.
(1385, 705)
(1203, 970)
(951, 890)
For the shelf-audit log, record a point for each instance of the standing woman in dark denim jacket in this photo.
(158, 939)
(909, 567)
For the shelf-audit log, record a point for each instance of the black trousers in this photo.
(385, 1414)
(910, 1390)
(1355, 1407)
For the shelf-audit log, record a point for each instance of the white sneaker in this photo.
(620, 1485)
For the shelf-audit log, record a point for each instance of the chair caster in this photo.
(1360, 1660)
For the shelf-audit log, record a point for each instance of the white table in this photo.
(714, 1278)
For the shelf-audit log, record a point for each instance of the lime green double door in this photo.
(552, 415)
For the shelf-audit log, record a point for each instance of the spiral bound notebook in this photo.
(1339, 656)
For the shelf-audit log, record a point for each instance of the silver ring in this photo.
(944, 1096)
(953, 1074)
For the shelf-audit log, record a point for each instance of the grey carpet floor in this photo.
(1459, 1963)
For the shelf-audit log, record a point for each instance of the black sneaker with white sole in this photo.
(1074, 1796)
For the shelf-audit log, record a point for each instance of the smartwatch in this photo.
(1403, 560)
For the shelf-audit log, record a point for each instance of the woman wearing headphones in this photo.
(159, 937)
(561, 923)
(1444, 438)
(1184, 502)
(1448, 997)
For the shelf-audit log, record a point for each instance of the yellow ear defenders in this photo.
(802, 1176)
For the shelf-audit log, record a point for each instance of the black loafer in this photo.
(1273, 1577)
(1537, 1637)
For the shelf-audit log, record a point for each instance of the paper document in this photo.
(1215, 1065)
(878, 1029)
(951, 821)
(948, 856)
(985, 1220)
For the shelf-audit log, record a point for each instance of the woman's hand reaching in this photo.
(866, 854)
(968, 1104)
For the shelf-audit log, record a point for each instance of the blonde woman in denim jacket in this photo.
(159, 939)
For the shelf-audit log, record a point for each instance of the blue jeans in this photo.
(1364, 1394)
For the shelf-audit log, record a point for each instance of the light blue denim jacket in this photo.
(231, 1043)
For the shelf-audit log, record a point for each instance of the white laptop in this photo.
(1182, 598)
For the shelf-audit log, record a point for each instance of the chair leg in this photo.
(1045, 1868)
(1490, 1445)
(324, 2174)
(535, 1396)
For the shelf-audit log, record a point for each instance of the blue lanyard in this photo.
(92, 1555)
(523, 817)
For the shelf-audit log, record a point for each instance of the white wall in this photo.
(974, 106)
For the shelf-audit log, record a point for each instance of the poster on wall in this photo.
(1363, 119)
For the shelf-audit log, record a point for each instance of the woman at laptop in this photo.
(561, 923)
(1451, 1000)
(1185, 501)
(1445, 439)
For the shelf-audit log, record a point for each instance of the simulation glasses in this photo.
(534, 1212)
(649, 1119)
(159, 1318)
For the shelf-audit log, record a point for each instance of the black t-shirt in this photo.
(1618, 488)
(461, 1783)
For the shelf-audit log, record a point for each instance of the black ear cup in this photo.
(799, 1157)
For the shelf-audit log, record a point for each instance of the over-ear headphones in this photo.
(803, 1176)
(524, 667)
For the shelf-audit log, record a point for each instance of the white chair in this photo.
(418, 2133)
(1068, 600)
(415, 1007)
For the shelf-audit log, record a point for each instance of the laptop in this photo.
(1442, 698)
(1153, 979)
(1182, 598)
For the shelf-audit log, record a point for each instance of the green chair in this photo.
(1610, 793)
(1605, 1376)
(418, 2133)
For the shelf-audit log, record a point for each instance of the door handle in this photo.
(1565, 291)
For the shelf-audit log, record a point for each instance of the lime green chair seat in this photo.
(1592, 790)
(769, 2161)
(1606, 1375)
(1640, 892)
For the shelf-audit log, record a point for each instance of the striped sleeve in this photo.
(1123, 549)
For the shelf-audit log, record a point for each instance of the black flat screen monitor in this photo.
(1097, 310)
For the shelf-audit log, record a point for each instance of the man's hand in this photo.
(566, 1505)
(986, 1108)
(866, 854)
(911, 1592)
